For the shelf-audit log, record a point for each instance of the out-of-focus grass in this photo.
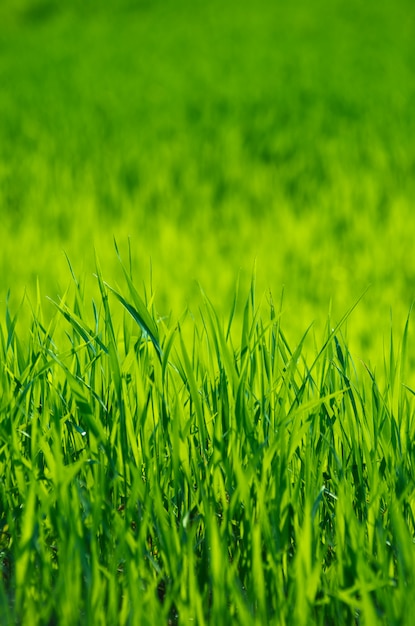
(213, 134)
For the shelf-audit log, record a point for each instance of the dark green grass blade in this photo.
(138, 309)
(140, 315)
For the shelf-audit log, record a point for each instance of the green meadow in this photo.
(207, 373)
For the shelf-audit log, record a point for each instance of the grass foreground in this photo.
(196, 471)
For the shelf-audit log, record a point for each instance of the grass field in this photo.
(178, 442)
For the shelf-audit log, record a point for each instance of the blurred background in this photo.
(214, 135)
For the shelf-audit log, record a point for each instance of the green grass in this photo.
(279, 131)
(169, 458)
(149, 478)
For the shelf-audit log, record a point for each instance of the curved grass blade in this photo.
(141, 315)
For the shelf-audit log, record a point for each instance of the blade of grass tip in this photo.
(333, 332)
(11, 321)
(245, 326)
(194, 392)
(112, 341)
(3, 344)
(249, 319)
(392, 365)
(409, 389)
(130, 262)
(117, 252)
(166, 351)
(115, 367)
(80, 327)
(344, 375)
(79, 296)
(130, 259)
(340, 354)
(151, 279)
(326, 344)
(79, 391)
(44, 335)
(149, 303)
(75, 280)
(249, 314)
(169, 336)
(271, 306)
(253, 286)
(223, 351)
(291, 370)
(404, 344)
(143, 319)
(139, 311)
(39, 309)
(282, 299)
(275, 326)
(96, 317)
(233, 309)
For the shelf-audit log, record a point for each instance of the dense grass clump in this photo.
(159, 471)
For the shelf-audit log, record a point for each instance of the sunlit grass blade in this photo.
(142, 317)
